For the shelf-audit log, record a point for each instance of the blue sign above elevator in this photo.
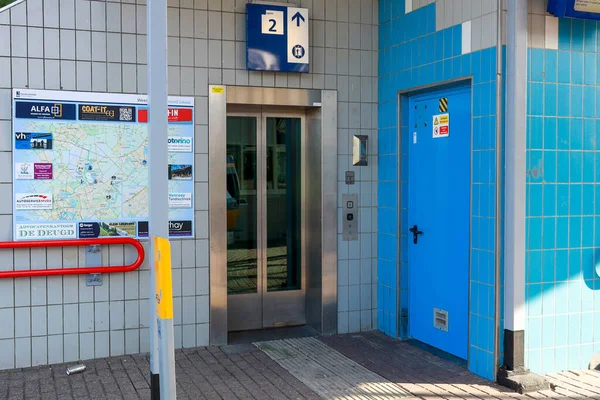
(276, 38)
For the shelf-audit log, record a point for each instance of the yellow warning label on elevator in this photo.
(444, 119)
(435, 121)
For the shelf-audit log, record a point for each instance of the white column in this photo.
(515, 177)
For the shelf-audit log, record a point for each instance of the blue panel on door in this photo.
(439, 201)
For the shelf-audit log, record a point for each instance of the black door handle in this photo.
(416, 232)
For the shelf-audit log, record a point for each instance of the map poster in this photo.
(80, 163)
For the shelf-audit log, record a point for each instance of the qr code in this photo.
(125, 114)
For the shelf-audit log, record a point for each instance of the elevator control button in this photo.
(350, 217)
(349, 177)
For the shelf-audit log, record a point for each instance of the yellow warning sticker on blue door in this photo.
(441, 126)
(444, 104)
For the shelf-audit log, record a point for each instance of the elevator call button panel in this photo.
(350, 217)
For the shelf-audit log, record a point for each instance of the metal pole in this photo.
(498, 189)
(158, 160)
(167, 357)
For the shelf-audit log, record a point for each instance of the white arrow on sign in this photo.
(297, 40)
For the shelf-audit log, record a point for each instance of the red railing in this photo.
(72, 243)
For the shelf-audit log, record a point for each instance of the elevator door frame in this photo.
(321, 125)
(265, 309)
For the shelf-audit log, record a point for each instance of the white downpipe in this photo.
(498, 189)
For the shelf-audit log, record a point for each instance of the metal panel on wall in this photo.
(218, 214)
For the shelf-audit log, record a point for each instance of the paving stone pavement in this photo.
(245, 372)
(328, 372)
(427, 376)
(231, 372)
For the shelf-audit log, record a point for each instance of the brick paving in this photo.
(427, 376)
(231, 372)
(245, 372)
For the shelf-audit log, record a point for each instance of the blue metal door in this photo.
(438, 218)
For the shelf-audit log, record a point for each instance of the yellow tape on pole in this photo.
(164, 281)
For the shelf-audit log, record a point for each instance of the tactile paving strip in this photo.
(329, 373)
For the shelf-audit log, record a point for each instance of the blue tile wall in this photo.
(413, 54)
(563, 201)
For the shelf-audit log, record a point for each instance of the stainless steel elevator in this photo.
(273, 209)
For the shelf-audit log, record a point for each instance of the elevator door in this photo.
(265, 273)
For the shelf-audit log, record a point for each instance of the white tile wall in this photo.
(542, 27)
(99, 45)
(477, 16)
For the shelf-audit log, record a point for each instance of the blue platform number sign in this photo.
(582, 9)
(276, 38)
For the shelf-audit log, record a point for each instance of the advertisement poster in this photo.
(80, 163)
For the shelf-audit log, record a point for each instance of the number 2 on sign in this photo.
(272, 22)
(272, 28)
